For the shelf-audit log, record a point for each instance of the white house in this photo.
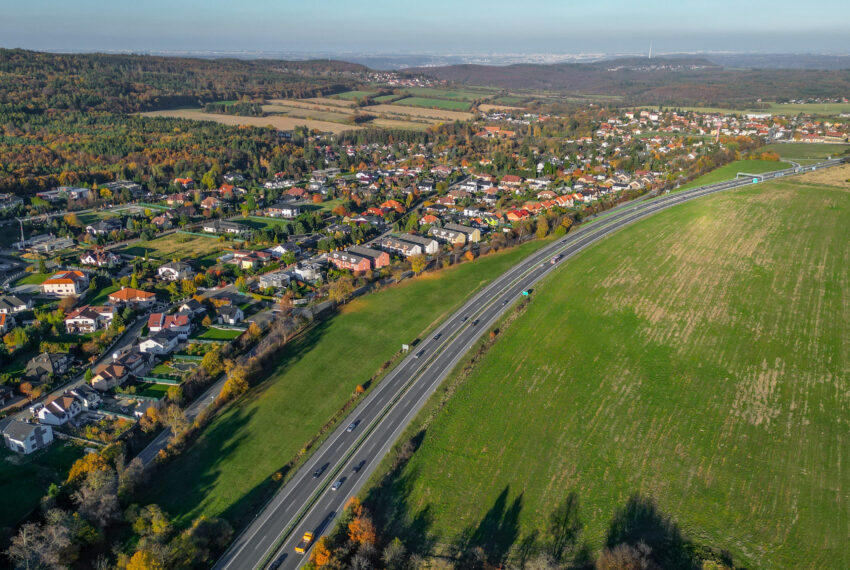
(175, 271)
(89, 318)
(59, 410)
(25, 438)
(163, 342)
(230, 315)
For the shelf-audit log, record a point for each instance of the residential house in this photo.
(456, 234)
(105, 227)
(89, 318)
(109, 376)
(135, 298)
(359, 258)
(40, 369)
(133, 361)
(409, 244)
(282, 249)
(210, 203)
(308, 272)
(180, 323)
(163, 342)
(246, 259)
(225, 227)
(185, 183)
(192, 307)
(22, 437)
(65, 283)
(175, 271)
(281, 210)
(99, 258)
(87, 396)
(10, 304)
(230, 315)
(276, 280)
(7, 323)
(59, 410)
(511, 181)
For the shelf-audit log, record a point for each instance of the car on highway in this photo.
(475, 322)
(420, 353)
(338, 484)
(437, 336)
(358, 467)
(352, 426)
(505, 302)
(556, 259)
(464, 318)
(304, 543)
(319, 471)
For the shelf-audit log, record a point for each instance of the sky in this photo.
(428, 26)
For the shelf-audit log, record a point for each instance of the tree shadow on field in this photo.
(389, 503)
(494, 535)
(640, 521)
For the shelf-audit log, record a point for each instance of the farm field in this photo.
(302, 113)
(176, 246)
(419, 112)
(323, 101)
(428, 103)
(486, 107)
(24, 479)
(458, 94)
(807, 151)
(228, 469)
(277, 122)
(729, 171)
(297, 108)
(699, 359)
(351, 95)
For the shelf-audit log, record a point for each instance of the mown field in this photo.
(806, 151)
(699, 359)
(275, 121)
(176, 246)
(429, 103)
(729, 171)
(230, 465)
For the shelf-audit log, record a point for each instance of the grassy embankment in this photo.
(230, 465)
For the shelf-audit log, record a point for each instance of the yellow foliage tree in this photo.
(144, 560)
(321, 553)
(85, 465)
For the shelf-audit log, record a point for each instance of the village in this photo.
(113, 294)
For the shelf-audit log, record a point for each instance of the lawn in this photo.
(227, 470)
(216, 334)
(32, 279)
(729, 171)
(261, 222)
(24, 479)
(103, 295)
(428, 103)
(176, 246)
(158, 391)
(699, 358)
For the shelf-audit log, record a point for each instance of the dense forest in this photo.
(34, 82)
(655, 81)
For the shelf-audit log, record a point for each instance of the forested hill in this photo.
(33, 82)
(654, 81)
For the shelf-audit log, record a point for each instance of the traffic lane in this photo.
(577, 246)
(459, 346)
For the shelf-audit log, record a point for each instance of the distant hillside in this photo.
(37, 81)
(676, 80)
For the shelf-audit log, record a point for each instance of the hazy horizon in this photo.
(382, 27)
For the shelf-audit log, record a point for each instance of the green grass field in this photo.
(261, 222)
(158, 391)
(228, 468)
(24, 479)
(806, 151)
(103, 295)
(351, 95)
(428, 103)
(700, 358)
(32, 279)
(729, 171)
(217, 334)
(456, 94)
(176, 246)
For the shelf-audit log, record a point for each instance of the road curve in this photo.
(307, 503)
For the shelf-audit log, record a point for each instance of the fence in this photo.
(157, 380)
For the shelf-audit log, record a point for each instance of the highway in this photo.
(307, 502)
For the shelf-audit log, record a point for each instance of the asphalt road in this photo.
(307, 503)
